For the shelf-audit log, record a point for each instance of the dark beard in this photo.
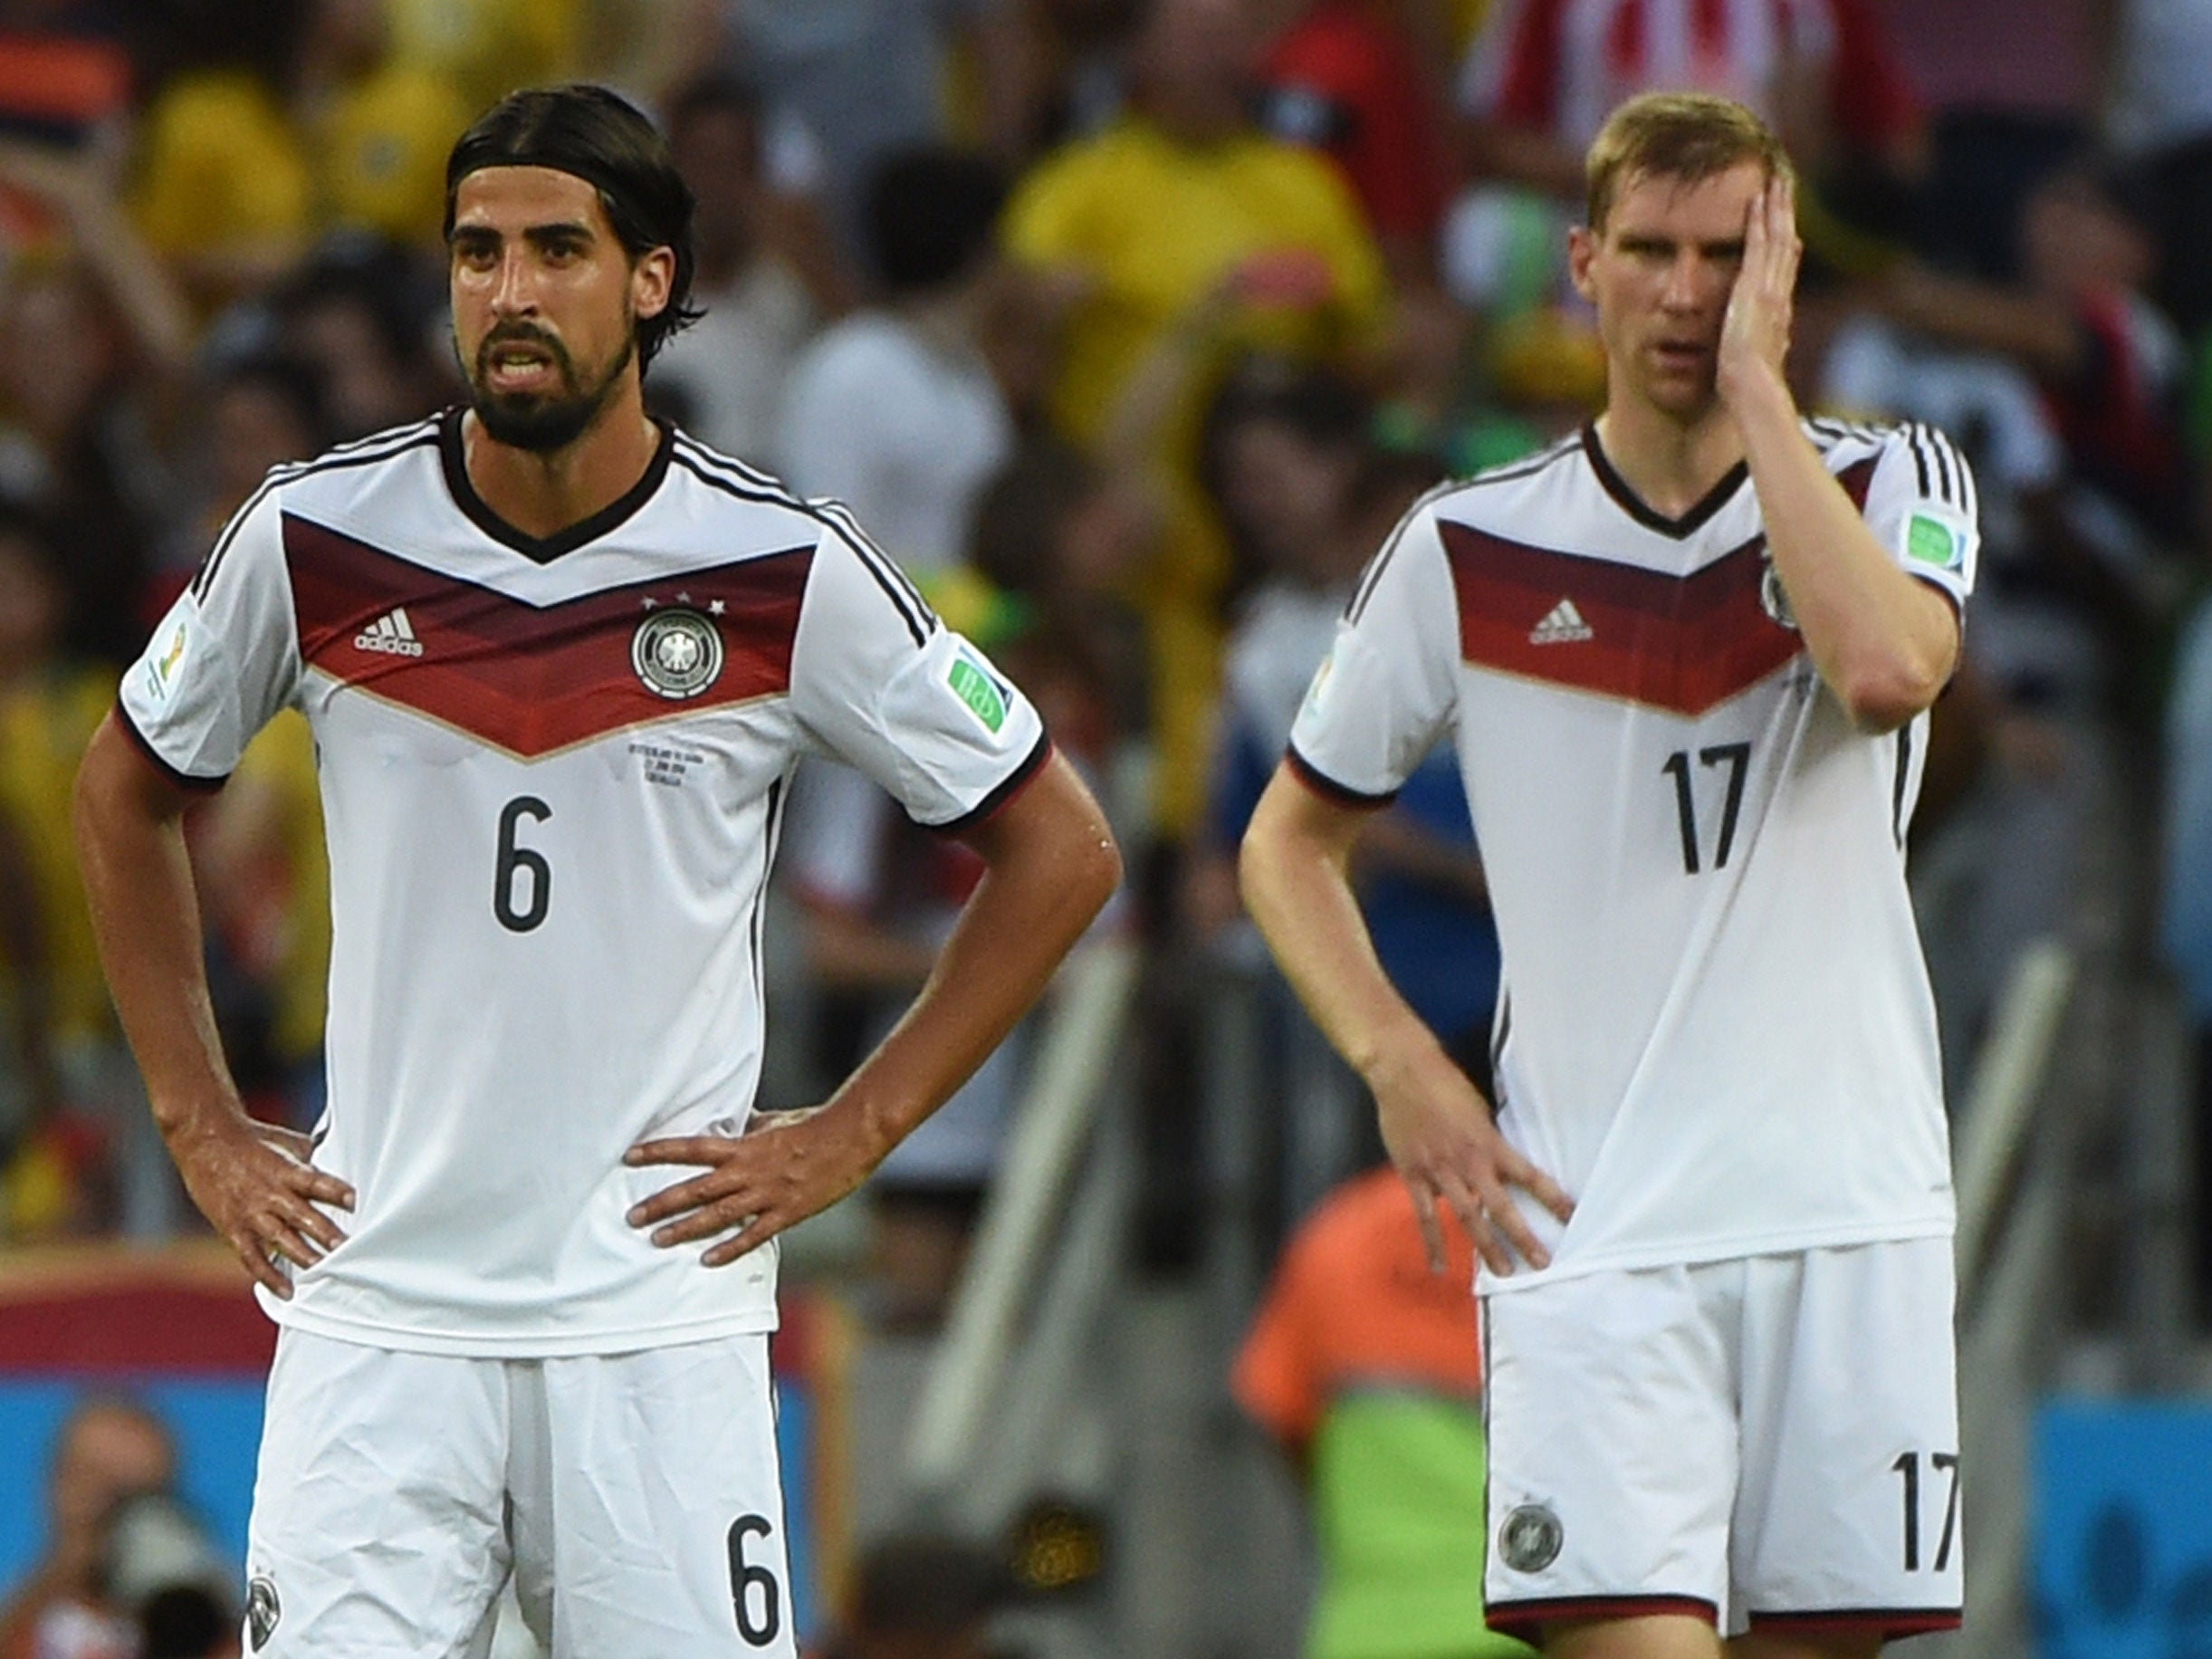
(533, 421)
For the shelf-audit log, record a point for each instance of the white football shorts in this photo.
(633, 1498)
(1767, 1442)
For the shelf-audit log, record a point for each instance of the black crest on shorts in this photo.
(1529, 1540)
(262, 1611)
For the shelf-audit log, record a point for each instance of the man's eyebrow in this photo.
(558, 231)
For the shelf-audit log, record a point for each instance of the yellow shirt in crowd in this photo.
(45, 723)
(1153, 226)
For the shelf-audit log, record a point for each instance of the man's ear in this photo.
(653, 282)
(1581, 249)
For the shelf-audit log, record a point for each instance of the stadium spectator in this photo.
(83, 1114)
(855, 83)
(1363, 1364)
(360, 313)
(894, 410)
(2011, 88)
(1342, 77)
(2160, 124)
(1129, 235)
(767, 276)
(2184, 911)
(107, 1451)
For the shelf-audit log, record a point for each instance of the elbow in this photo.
(1882, 695)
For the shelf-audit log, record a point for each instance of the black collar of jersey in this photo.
(1642, 511)
(545, 549)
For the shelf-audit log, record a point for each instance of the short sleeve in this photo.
(1388, 688)
(880, 683)
(224, 659)
(1921, 506)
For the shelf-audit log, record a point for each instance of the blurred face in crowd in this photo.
(1660, 271)
(109, 1452)
(2077, 240)
(365, 387)
(1286, 492)
(717, 149)
(1195, 62)
(546, 303)
(253, 426)
(29, 607)
(56, 350)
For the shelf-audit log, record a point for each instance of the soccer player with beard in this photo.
(560, 661)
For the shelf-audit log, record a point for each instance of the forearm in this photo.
(1883, 641)
(1295, 875)
(1050, 865)
(138, 881)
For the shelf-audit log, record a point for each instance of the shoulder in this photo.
(1507, 488)
(341, 474)
(867, 343)
(1855, 450)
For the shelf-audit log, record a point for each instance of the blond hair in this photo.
(1685, 136)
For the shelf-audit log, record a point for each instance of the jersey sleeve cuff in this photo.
(1327, 788)
(1011, 785)
(183, 779)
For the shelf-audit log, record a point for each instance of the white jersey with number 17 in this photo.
(1714, 1028)
(552, 775)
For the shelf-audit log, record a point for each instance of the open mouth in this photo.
(519, 365)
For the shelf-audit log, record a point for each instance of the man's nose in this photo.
(1684, 286)
(514, 291)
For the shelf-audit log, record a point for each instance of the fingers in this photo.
(1431, 1230)
(261, 1264)
(680, 1149)
(716, 1184)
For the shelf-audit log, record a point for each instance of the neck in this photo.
(541, 494)
(945, 318)
(1670, 462)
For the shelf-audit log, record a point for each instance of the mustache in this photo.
(519, 334)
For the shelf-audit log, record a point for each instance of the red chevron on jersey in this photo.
(533, 680)
(1683, 643)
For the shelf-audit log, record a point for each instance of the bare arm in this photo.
(251, 1180)
(1884, 641)
(1050, 863)
(1437, 1126)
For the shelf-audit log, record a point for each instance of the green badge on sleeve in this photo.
(1931, 542)
(973, 687)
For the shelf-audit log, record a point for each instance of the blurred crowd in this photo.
(1130, 327)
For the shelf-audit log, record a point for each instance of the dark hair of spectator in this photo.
(1318, 404)
(25, 525)
(718, 92)
(293, 383)
(927, 1586)
(1019, 512)
(385, 281)
(931, 213)
(595, 135)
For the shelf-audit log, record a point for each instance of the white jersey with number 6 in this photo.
(1716, 1029)
(552, 773)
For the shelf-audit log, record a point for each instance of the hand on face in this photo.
(1755, 330)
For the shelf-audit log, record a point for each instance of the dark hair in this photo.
(294, 383)
(598, 136)
(395, 288)
(1019, 512)
(1319, 404)
(930, 217)
(716, 93)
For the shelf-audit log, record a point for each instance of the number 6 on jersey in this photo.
(517, 860)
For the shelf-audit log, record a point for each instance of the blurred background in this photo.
(1130, 327)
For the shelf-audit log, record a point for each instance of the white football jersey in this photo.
(552, 773)
(1714, 1028)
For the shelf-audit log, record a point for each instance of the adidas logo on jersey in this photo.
(391, 633)
(1563, 625)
